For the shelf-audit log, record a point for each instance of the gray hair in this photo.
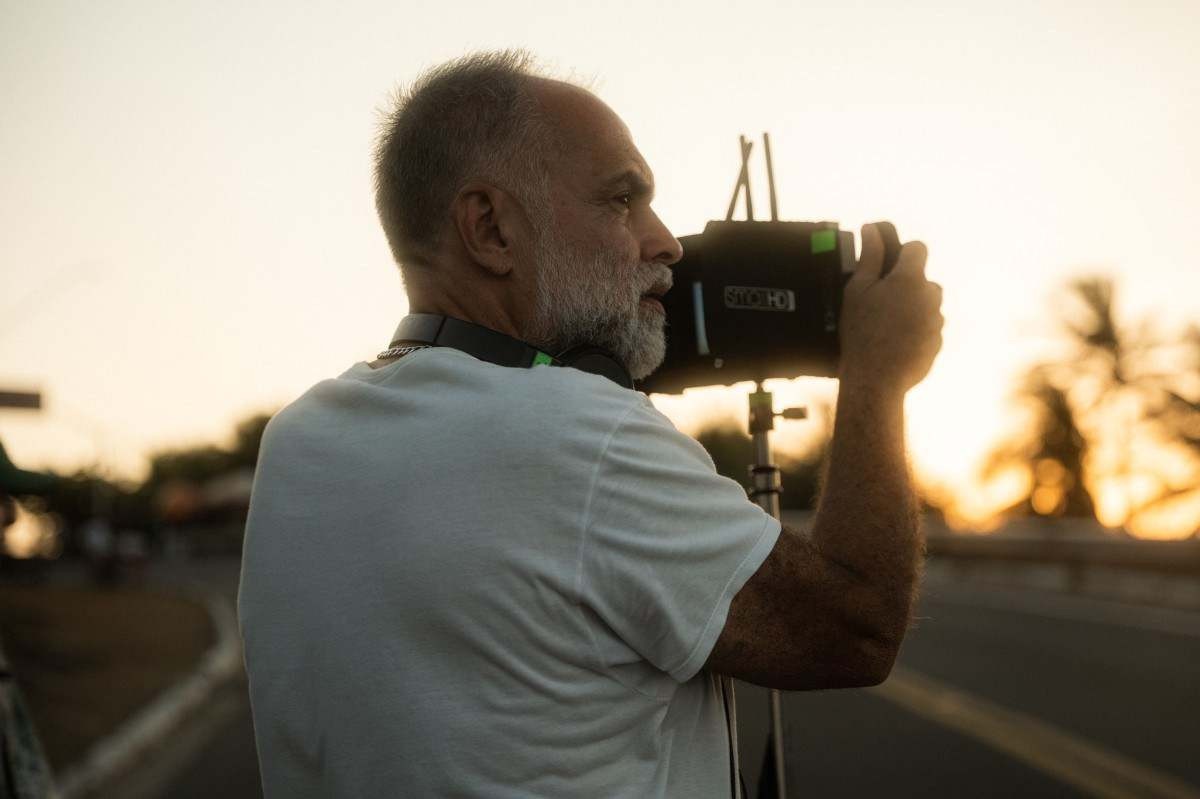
(475, 117)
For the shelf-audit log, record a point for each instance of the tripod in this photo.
(765, 492)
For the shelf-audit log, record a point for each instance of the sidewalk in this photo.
(87, 659)
(113, 673)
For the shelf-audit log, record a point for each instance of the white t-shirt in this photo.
(461, 579)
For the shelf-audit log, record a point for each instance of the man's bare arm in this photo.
(828, 608)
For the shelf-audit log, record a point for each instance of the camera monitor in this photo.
(752, 301)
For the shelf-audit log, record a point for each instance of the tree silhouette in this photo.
(1175, 412)
(86, 493)
(204, 462)
(1108, 392)
(1178, 407)
(1053, 450)
(248, 438)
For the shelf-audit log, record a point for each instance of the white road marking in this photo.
(173, 754)
(1073, 760)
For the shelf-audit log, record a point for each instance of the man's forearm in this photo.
(867, 520)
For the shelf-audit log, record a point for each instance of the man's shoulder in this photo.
(542, 401)
(562, 403)
(541, 392)
(621, 423)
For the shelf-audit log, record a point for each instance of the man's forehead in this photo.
(635, 177)
(596, 140)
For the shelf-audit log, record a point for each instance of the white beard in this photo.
(597, 301)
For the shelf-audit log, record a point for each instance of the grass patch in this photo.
(88, 659)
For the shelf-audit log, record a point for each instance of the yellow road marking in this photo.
(1085, 765)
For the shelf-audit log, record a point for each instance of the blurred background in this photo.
(189, 243)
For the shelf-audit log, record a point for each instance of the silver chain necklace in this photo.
(396, 352)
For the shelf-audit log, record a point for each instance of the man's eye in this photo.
(625, 199)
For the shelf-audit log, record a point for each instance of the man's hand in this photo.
(891, 326)
(829, 608)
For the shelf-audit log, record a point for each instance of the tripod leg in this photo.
(767, 787)
(771, 779)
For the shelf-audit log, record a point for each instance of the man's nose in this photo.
(659, 246)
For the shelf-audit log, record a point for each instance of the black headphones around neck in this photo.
(495, 347)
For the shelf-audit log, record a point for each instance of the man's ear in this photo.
(489, 221)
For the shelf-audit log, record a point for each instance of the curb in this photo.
(114, 754)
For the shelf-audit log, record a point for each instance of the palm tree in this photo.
(1054, 450)
(1095, 400)
(1175, 410)
(1176, 414)
(1107, 393)
(1107, 370)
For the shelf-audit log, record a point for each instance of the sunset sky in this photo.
(189, 233)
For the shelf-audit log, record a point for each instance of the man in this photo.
(468, 579)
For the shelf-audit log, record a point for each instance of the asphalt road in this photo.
(1005, 693)
(997, 693)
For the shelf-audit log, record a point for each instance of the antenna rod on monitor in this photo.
(743, 182)
(770, 176)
